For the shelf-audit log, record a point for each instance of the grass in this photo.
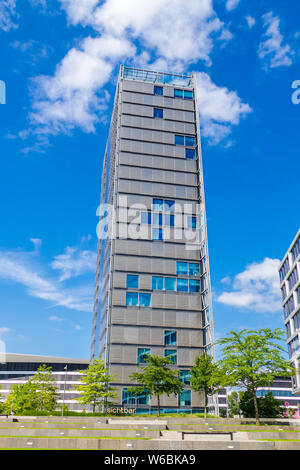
(76, 437)
(279, 440)
(111, 415)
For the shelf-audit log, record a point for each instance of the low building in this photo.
(18, 368)
(281, 388)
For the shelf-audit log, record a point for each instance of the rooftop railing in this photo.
(150, 76)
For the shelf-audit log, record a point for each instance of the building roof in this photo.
(12, 357)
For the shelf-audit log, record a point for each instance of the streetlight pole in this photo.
(63, 405)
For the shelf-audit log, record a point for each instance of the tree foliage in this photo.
(252, 359)
(268, 406)
(95, 389)
(233, 402)
(37, 394)
(21, 399)
(157, 379)
(46, 393)
(206, 377)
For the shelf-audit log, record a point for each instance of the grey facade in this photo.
(152, 290)
(289, 274)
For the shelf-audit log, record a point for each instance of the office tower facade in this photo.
(289, 274)
(152, 290)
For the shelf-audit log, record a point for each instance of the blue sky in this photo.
(60, 60)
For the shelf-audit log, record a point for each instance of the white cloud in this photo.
(7, 15)
(167, 27)
(74, 262)
(250, 21)
(271, 50)
(256, 288)
(55, 318)
(172, 37)
(79, 11)
(219, 108)
(232, 4)
(3, 331)
(32, 51)
(37, 243)
(71, 98)
(22, 268)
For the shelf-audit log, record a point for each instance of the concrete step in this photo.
(38, 432)
(150, 445)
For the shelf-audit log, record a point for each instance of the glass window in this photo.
(158, 113)
(169, 220)
(170, 283)
(158, 90)
(184, 398)
(192, 222)
(144, 300)
(188, 95)
(143, 399)
(172, 355)
(178, 93)
(170, 338)
(185, 376)
(179, 139)
(182, 268)
(157, 234)
(190, 141)
(132, 298)
(169, 206)
(190, 154)
(146, 218)
(128, 398)
(142, 355)
(157, 283)
(194, 285)
(182, 285)
(132, 281)
(157, 204)
(194, 269)
(157, 219)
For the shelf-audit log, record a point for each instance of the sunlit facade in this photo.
(152, 292)
(289, 274)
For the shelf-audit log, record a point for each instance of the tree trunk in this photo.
(158, 405)
(255, 407)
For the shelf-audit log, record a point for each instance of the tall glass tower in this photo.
(152, 290)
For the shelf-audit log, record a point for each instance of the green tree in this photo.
(233, 401)
(46, 393)
(252, 359)
(206, 377)
(95, 389)
(1, 402)
(268, 406)
(21, 399)
(156, 379)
